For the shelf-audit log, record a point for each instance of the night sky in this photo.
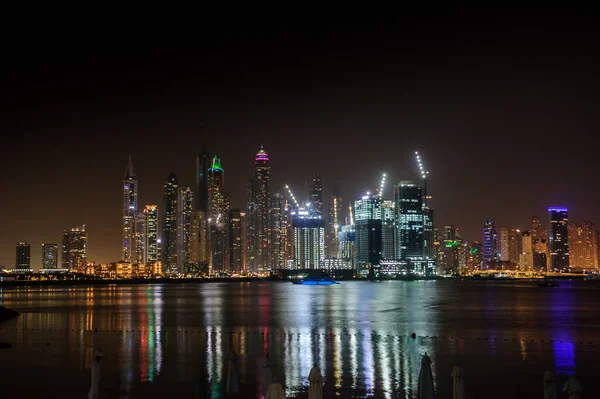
(504, 111)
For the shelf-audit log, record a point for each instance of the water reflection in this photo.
(159, 338)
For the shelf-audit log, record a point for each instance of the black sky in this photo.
(504, 110)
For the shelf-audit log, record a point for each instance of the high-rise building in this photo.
(526, 258)
(316, 196)
(583, 245)
(347, 240)
(559, 239)
(368, 245)
(279, 224)
(244, 233)
(408, 204)
(199, 236)
(259, 215)
(49, 256)
(23, 259)
(140, 239)
(74, 249)
(475, 256)
(130, 210)
(541, 249)
(368, 207)
(388, 242)
(509, 245)
(490, 245)
(309, 239)
(334, 224)
(235, 238)
(151, 235)
(448, 262)
(169, 226)
(185, 207)
(216, 187)
(202, 165)
(428, 233)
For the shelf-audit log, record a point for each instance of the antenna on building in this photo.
(351, 217)
(382, 185)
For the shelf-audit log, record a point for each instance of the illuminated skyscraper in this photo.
(169, 225)
(509, 245)
(309, 239)
(74, 249)
(259, 215)
(23, 259)
(408, 203)
(49, 256)
(185, 207)
(475, 256)
(130, 210)
(244, 233)
(559, 239)
(541, 248)
(279, 223)
(388, 243)
(368, 245)
(347, 241)
(151, 236)
(526, 258)
(583, 246)
(200, 232)
(334, 224)
(316, 196)
(449, 250)
(216, 186)
(140, 239)
(490, 245)
(235, 238)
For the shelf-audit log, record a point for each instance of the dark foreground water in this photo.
(172, 340)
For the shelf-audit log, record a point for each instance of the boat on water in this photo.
(548, 284)
(315, 281)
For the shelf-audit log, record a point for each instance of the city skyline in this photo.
(486, 103)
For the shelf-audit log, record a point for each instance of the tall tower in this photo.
(140, 239)
(408, 204)
(279, 227)
(235, 238)
(334, 225)
(23, 259)
(259, 214)
(200, 233)
(151, 236)
(74, 251)
(316, 196)
(541, 249)
(559, 238)
(583, 245)
(185, 202)
(490, 244)
(49, 256)
(169, 226)
(130, 206)
(216, 185)
(202, 165)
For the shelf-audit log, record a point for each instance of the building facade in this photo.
(169, 225)
(509, 245)
(316, 195)
(74, 249)
(559, 239)
(583, 245)
(185, 207)
(140, 239)
(259, 215)
(23, 258)
(279, 224)
(334, 224)
(526, 258)
(368, 245)
(309, 239)
(490, 245)
(49, 256)
(408, 204)
(151, 236)
(235, 238)
(130, 211)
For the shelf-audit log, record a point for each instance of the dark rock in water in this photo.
(7, 314)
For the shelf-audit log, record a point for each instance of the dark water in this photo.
(161, 340)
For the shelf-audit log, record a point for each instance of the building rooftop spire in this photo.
(130, 172)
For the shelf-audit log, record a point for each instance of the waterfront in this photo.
(161, 339)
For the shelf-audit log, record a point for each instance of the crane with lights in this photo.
(424, 176)
(292, 196)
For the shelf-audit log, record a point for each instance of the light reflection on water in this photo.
(159, 338)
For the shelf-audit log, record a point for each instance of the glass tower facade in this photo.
(185, 202)
(169, 226)
(259, 215)
(49, 256)
(408, 203)
(74, 249)
(130, 210)
(151, 236)
(490, 244)
(23, 259)
(316, 195)
(559, 238)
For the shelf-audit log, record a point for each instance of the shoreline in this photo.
(92, 282)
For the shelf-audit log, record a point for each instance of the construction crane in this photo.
(381, 186)
(424, 176)
(292, 196)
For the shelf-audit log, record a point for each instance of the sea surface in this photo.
(174, 340)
